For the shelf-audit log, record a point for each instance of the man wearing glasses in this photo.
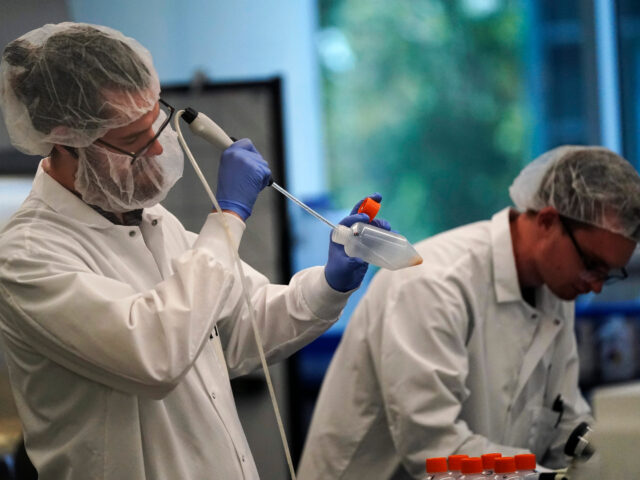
(120, 328)
(474, 351)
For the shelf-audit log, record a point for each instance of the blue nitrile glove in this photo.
(243, 173)
(344, 273)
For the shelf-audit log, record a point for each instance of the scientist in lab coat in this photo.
(474, 350)
(121, 328)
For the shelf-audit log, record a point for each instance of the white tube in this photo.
(220, 138)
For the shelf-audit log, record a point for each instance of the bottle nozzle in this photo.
(341, 234)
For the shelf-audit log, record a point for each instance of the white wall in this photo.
(231, 41)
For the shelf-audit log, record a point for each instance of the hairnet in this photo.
(70, 83)
(590, 184)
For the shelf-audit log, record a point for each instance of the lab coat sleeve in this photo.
(102, 328)
(287, 316)
(422, 370)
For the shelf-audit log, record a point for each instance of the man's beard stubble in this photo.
(114, 183)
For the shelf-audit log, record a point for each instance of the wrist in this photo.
(239, 209)
(330, 278)
(230, 212)
(345, 279)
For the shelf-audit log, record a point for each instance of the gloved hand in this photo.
(243, 173)
(344, 273)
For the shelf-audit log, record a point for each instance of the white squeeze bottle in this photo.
(376, 246)
(471, 469)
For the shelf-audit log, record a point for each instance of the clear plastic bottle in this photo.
(377, 246)
(437, 469)
(505, 469)
(454, 462)
(488, 460)
(526, 466)
(471, 469)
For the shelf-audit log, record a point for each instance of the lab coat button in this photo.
(132, 233)
(154, 222)
(556, 322)
(213, 395)
(534, 316)
(243, 459)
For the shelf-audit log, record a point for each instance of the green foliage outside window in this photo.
(425, 102)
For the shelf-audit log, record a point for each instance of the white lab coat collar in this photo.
(71, 206)
(548, 312)
(505, 275)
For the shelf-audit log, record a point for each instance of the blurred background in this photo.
(437, 104)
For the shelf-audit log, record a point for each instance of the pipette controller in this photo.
(372, 244)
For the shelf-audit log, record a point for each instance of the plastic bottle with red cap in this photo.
(454, 462)
(471, 469)
(505, 469)
(526, 466)
(437, 469)
(488, 460)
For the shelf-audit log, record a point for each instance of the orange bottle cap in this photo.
(471, 465)
(505, 465)
(370, 207)
(488, 460)
(436, 465)
(525, 461)
(454, 461)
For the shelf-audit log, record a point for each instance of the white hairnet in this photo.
(590, 184)
(70, 83)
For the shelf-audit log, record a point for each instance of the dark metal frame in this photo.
(612, 276)
(142, 150)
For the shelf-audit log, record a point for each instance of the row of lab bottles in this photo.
(490, 466)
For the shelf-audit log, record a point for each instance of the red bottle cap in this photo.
(436, 465)
(525, 461)
(454, 461)
(488, 460)
(505, 465)
(471, 465)
(370, 207)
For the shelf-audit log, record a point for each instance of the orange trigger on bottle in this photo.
(370, 207)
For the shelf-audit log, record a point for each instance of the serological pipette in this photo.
(372, 244)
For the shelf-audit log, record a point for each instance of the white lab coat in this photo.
(112, 339)
(447, 358)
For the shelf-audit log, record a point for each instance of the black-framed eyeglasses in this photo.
(597, 272)
(141, 151)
